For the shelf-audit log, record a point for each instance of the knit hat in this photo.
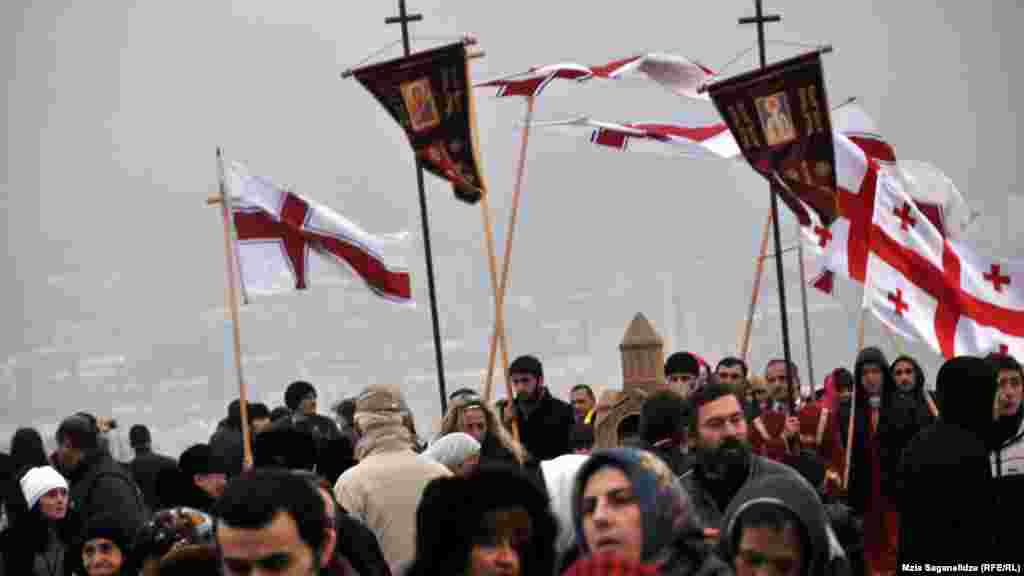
(108, 527)
(39, 481)
(196, 459)
(453, 449)
(296, 392)
(682, 363)
(527, 365)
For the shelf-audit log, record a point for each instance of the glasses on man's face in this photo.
(522, 380)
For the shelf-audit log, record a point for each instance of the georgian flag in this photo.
(927, 287)
(285, 242)
(675, 73)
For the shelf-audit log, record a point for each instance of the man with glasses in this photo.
(545, 422)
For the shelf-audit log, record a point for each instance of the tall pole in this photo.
(232, 305)
(403, 19)
(803, 303)
(760, 19)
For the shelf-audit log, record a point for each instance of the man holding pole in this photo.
(545, 422)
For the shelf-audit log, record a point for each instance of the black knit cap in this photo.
(196, 459)
(296, 392)
(682, 363)
(527, 365)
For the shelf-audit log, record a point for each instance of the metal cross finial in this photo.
(760, 19)
(404, 18)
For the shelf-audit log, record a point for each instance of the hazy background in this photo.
(113, 276)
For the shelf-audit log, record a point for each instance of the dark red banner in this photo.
(779, 115)
(430, 96)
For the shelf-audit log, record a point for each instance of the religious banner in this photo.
(779, 115)
(430, 97)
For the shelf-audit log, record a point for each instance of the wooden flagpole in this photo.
(492, 261)
(803, 303)
(499, 337)
(758, 273)
(232, 305)
(853, 406)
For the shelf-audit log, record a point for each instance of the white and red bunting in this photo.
(286, 242)
(675, 73)
(930, 288)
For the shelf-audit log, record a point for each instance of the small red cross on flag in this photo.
(1004, 349)
(897, 302)
(996, 278)
(824, 235)
(904, 214)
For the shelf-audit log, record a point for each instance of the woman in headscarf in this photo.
(495, 521)
(458, 451)
(627, 503)
(35, 544)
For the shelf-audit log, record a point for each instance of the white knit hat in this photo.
(453, 449)
(39, 481)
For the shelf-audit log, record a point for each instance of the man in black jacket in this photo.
(146, 465)
(933, 526)
(545, 422)
(99, 485)
(663, 429)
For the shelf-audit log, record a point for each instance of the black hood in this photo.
(967, 389)
(794, 495)
(871, 355)
(919, 378)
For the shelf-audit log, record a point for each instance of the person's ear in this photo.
(327, 548)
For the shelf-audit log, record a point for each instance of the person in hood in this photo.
(952, 453)
(545, 422)
(906, 409)
(384, 488)
(495, 521)
(777, 525)
(872, 378)
(627, 502)
(1007, 441)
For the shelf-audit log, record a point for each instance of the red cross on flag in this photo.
(928, 287)
(287, 242)
(842, 250)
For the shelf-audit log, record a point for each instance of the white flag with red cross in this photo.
(927, 287)
(286, 242)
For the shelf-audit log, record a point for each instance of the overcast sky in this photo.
(113, 278)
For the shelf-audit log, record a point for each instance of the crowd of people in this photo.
(727, 472)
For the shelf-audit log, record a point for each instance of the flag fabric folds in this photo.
(928, 287)
(708, 141)
(780, 117)
(429, 95)
(675, 73)
(285, 241)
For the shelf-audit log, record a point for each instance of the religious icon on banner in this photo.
(779, 117)
(430, 96)
(774, 113)
(419, 103)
